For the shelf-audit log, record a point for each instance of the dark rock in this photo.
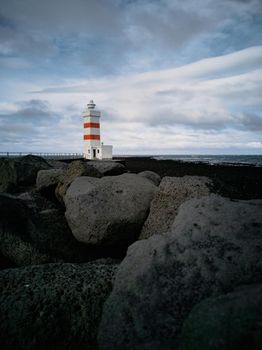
(47, 180)
(56, 164)
(53, 306)
(16, 231)
(241, 182)
(20, 172)
(214, 246)
(5, 263)
(34, 231)
(35, 201)
(232, 321)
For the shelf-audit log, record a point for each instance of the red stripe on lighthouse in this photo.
(91, 125)
(91, 137)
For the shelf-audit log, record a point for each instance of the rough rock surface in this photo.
(56, 164)
(108, 167)
(151, 175)
(108, 211)
(215, 245)
(86, 168)
(75, 169)
(47, 181)
(232, 321)
(172, 192)
(20, 171)
(53, 306)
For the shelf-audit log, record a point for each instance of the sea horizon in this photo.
(227, 159)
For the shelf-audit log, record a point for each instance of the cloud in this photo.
(251, 121)
(185, 108)
(35, 125)
(168, 75)
(107, 37)
(208, 94)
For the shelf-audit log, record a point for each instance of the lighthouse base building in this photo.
(93, 147)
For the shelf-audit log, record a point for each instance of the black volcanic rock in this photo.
(53, 306)
(240, 182)
(20, 171)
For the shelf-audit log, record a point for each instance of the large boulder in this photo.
(232, 321)
(47, 180)
(108, 211)
(20, 171)
(75, 169)
(53, 306)
(78, 168)
(172, 192)
(214, 246)
(151, 176)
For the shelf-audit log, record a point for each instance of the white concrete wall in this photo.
(107, 151)
(88, 153)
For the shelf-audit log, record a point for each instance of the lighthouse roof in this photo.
(91, 104)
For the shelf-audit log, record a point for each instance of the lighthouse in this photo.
(93, 147)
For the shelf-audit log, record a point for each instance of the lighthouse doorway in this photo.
(94, 153)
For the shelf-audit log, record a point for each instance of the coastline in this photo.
(65, 231)
(236, 182)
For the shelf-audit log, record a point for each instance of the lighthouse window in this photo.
(98, 151)
(89, 151)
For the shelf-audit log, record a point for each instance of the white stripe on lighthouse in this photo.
(91, 131)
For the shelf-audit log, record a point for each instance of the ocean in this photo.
(243, 160)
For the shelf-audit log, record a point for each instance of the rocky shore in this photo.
(130, 254)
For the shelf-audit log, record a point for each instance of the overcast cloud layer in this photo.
(169, 76)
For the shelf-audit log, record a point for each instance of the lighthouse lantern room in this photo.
(93, 147)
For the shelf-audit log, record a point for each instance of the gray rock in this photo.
(75, 169)
(78, 168)
(56, 164)
(232, 321)
(108, 167)
(35, 201)
(215, 245)
(53, 306)
(47, 180)
(20, 171)
(108, 211)
(152, 176)
(172, 192)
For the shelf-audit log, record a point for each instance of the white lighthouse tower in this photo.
(93, 147)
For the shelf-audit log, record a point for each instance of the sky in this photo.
(169, 76)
